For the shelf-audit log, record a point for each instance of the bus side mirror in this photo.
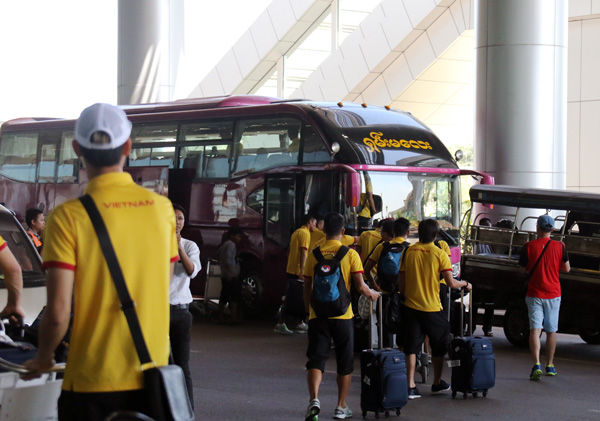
(353, 189)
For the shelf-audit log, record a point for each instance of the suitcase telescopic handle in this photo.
(379, 324)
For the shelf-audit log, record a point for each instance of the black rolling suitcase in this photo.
(472, 360)
(384, 384)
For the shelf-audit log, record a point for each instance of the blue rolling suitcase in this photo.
(473, 362)
(384, 384)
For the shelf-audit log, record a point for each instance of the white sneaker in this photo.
(342, 413)
(301, 328)
(283, 329)
(312, 412)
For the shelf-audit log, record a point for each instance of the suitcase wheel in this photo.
(485, 393)
(387, 413)
(364, 414)
(453, 394)
(474, 394)
(465, 395)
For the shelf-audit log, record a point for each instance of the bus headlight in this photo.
(456, 270)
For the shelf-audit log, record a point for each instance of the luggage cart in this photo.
(22, 400)
(208, 304)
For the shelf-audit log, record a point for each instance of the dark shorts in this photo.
(77, 406)
(231, 290)
(420, 324)
(320, 333)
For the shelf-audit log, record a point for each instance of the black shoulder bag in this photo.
(535, 265)
(164, 386)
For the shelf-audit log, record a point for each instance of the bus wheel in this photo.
(252, 291)
(516, 326)
(590, 335)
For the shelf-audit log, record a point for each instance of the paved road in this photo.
(247, 372)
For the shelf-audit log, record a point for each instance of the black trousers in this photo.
(179, 332)
(77, 406)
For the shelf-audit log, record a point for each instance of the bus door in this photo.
(282, 209)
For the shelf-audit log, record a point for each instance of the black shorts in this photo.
(422, 323)
(98, 406)
(320, 333)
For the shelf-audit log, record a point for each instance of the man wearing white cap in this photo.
(103, 372)
(542, 259)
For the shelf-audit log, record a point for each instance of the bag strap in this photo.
(318, 255)
(539, 258)
(341, 253)
(127, 304)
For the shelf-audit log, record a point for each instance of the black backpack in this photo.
(330, 297)
(389, 265)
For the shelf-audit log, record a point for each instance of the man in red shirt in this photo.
(543, 291)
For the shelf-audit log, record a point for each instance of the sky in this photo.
(59, 56)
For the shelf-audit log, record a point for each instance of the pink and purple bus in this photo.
(258, 163)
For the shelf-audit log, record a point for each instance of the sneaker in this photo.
(283, 329)
(301, 328)
(413, 393)
(342, 413)
(550, 370)
(312, 412)
(536, 372)
(440, 388)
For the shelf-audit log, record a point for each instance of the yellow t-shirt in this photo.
(367, 241)
(350, 264)
(446, 249)
(377, 254)
(347, 240)
(300, 239)
(3, 244)
(141, 225)
(422, 265)
(315, 237)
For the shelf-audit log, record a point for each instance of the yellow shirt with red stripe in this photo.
(347, 240)
(349, 265)
(3, 244)
(377, 254)
(315, 237)
(367, 242)
(300, 240)
(422, 264)
(446, 249)
(141, 225)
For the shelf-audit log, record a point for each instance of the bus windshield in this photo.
(414, 196)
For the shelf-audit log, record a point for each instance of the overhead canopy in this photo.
(536, 198)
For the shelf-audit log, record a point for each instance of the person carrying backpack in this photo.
(328, 274)
(386, 258)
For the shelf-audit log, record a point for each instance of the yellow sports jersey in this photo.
(347, 240)
(364, 199)
(367, 242)
(300, 239)
(422, 265)
(141, 225)
(446, 249)
(2, 243)
(377, 254)
(315, 237)
(350, 264)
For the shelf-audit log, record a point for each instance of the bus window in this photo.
(315, 149)
(18, 154)
(47, 163)
(267, 143)
(149, 147)
(210, 152)
(68, 163)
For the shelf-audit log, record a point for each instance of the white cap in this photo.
(102, 118)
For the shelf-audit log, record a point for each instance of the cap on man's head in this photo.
(102, 118)
(546, 223)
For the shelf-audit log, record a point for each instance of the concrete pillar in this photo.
(148, 50)
(521, 54)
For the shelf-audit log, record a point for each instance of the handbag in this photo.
(165, 388)
(530, 274)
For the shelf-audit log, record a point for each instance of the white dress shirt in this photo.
(180, 282)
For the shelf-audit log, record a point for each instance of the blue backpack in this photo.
(330, 297)
(389, 265)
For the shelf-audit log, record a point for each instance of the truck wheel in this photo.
(591, 336)
(252, 286)
(516, 326)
